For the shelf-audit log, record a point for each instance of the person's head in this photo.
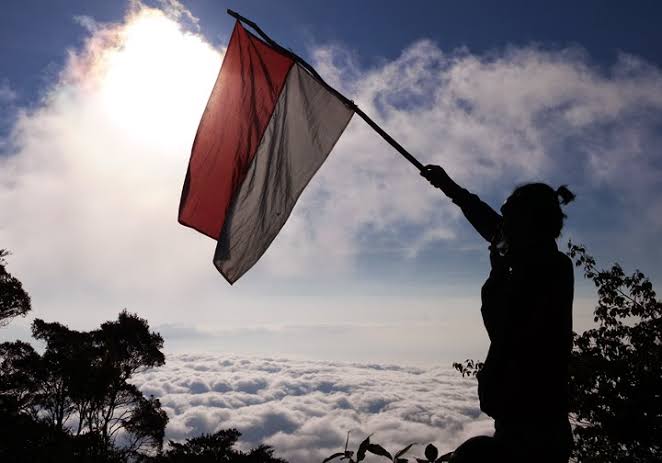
(532, 214)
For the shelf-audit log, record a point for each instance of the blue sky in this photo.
(374, 264)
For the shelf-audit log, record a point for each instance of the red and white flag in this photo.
(268, 126)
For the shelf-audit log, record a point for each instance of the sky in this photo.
(99, 103)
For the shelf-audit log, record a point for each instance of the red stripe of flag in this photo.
(233, 123)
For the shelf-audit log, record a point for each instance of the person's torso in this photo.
(530, 331)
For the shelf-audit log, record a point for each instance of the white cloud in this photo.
(492, 121)
(7, 94)
(305, 408)
(8, 99)
(86, 22)
(178, 12)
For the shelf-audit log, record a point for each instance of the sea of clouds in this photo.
(304, 408)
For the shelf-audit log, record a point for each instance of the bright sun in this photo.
(156, 78)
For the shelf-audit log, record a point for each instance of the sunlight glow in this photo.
(156, 79)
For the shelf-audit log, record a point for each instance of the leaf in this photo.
(403, 451)
(431, 452)
(444, 457)
(377, 449)
(420, 460)
(360, 454)
(334, 456)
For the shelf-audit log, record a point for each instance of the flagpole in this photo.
(390, 140)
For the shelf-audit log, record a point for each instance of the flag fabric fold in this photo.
(267, 128)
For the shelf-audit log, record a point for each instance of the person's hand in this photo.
(437, 176)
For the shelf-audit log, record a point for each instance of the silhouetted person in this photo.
(527, 311)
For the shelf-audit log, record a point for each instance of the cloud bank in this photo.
(305, 409)
(521, 114)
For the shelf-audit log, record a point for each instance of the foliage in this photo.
(14, 300)
(77, 392)
(469, 368)
(74, 402)
(216, 448)
(431, 453)
(615, 369)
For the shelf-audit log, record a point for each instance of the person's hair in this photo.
(538, 207)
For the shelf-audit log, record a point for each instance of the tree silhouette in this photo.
(79, 389)
(74, 402)
(615, 386)
(14, 301)
(20, 377)
(216, 448)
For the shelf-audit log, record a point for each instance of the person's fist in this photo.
(436, 175)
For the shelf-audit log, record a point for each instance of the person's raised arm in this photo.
(484, 219)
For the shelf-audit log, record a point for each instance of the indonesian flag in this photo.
(268, 126)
